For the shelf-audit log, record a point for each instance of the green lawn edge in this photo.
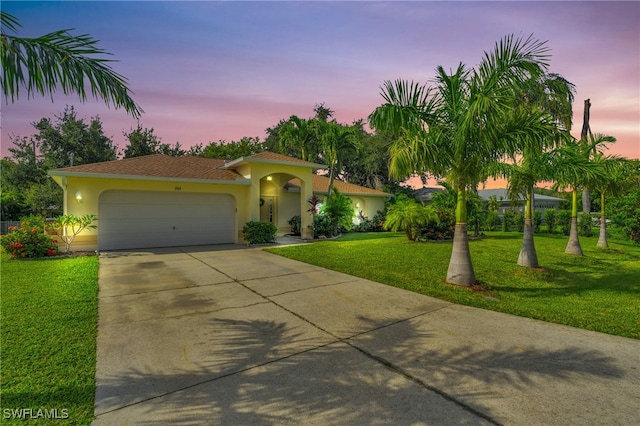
(599, 291)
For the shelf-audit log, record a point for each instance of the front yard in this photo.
(49, 314)
(600, 291)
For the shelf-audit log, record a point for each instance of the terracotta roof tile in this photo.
(268, 155)
(321, 185)
(160, 165)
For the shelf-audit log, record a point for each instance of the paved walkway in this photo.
(238, 336)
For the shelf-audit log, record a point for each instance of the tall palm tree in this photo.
(466, 120)
(571, 166)
(297, 137)
(554, 95)
(58, 59)
(617, 176)
(336, 141)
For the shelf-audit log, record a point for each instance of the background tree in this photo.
(234, 149)
(453, 129)
(58, 59)
(369, 165)
(142, 141)
(70, 141)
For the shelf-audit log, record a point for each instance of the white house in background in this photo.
(540, 202)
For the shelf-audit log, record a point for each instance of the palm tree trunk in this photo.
(602, 239)
(528, 256)
(573, 246)
(460, 270)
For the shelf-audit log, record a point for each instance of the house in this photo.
(540, 202)
(163, 201)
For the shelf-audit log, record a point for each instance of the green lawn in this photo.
(600, 291)
(48, 312)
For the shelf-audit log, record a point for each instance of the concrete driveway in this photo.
(238, 336)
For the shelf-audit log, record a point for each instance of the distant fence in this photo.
(5, 224)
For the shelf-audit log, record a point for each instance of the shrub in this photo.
(564, 221)
(624, 214)
(68, 227)
(29, 240)
(322, 226)
(585, 225)
(550, 220)
(339, 210)
(491, 220)
(371, 225)
(518, 220)
(536, 220)
(295, 223)
(508, 220)
(259, 232)
(441, 228)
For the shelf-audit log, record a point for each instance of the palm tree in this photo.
(297, 138)
(407, 214)
(336, 142)
(617, 175)
(465, 121)
(58, 59)
(553, 94)
(570, 166)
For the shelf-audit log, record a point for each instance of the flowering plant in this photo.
(29, 240)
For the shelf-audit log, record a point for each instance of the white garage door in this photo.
(139, 219)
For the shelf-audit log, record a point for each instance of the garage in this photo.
(145, 219)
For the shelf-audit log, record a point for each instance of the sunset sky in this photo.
(206, 71)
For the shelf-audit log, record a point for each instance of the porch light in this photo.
(79, 196)
(269, 178)
(357, 205)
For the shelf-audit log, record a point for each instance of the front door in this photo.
(268, 209)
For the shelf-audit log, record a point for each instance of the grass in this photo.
(599, 292)
(48, 312)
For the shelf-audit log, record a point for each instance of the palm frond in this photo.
(58, 59)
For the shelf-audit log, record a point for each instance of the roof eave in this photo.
(237, 181)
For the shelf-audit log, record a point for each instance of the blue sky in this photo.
(206, 71)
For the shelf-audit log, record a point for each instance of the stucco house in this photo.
(162, 201)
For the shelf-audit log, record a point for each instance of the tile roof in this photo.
(321, 185)
(272, 157)
(159, 166)
(189, 167)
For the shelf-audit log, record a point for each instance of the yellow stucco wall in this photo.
(266, 180)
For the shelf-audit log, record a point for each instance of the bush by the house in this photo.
(29, 240)
(376, 224)
(339, 210)
(259, 232)
(322, 226)
(295, 222)
(68, 226)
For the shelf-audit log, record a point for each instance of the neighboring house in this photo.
(163, 201)
(540, 202)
